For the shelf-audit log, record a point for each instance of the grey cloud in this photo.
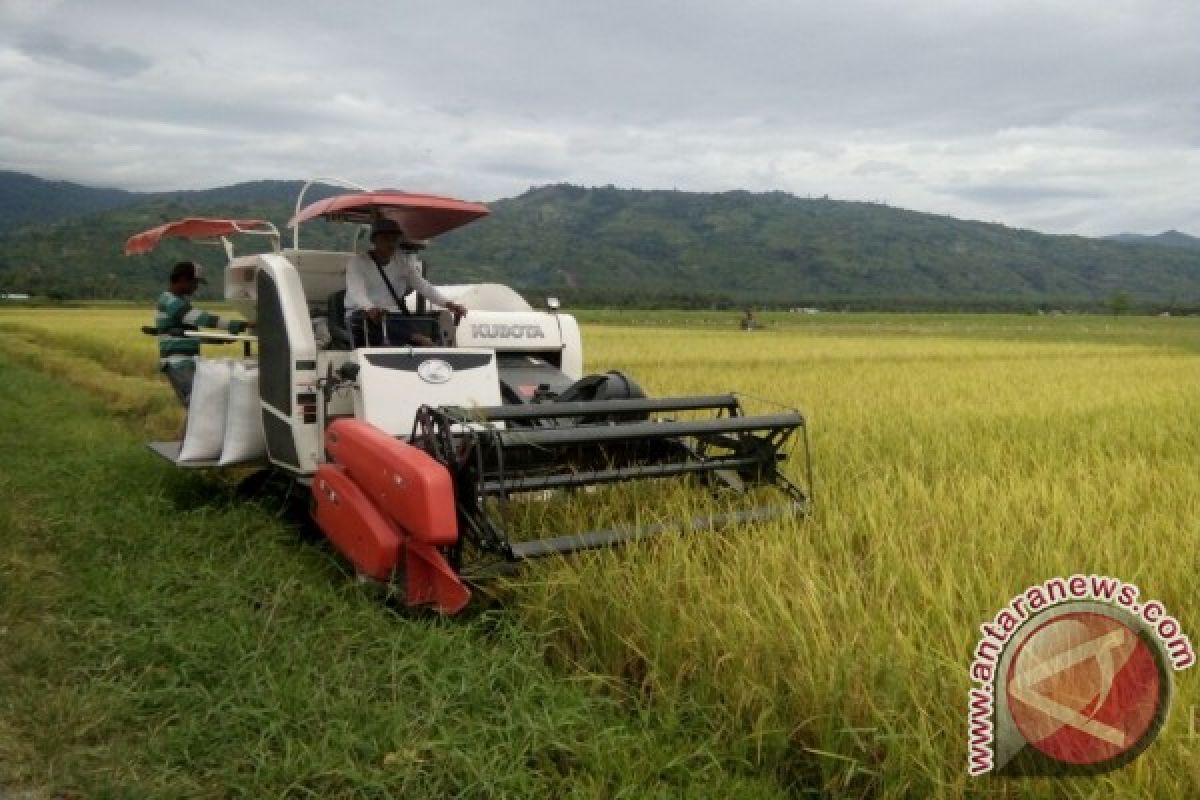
(208, 109)
(110, 61)
(1013, 110)
(1019, 194)
(862, 66)
(886, 169)
(529, 171)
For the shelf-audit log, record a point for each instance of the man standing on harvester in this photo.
(376, 282)
(173, 315)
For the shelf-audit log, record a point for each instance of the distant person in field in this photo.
(174, 314)
(376, 282)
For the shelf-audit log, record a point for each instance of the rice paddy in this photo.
(958, 460)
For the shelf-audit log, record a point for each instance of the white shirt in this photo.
(365, 289)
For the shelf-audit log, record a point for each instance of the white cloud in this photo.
(1060, 115)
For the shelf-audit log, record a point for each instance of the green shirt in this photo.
(173, 314)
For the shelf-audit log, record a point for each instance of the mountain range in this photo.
(1165, 239)
(630, 247)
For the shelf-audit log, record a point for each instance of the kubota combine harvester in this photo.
(408, 452)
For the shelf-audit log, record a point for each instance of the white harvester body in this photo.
(406, 450)
(288, 297)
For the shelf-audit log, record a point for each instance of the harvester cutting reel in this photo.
(426, 511)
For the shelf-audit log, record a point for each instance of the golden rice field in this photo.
(958, 460)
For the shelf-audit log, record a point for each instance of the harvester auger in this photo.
(411, 453)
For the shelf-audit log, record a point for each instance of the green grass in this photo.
(161, 637)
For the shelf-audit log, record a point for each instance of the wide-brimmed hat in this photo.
(384, 226)
(186, 270)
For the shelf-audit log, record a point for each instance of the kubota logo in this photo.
(434, 370)
(486, 331)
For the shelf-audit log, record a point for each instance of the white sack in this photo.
(206, 413)
(244, 439)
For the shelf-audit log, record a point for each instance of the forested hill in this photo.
(779, 248)
(1166, 239)
(634, 246)
(25, 199)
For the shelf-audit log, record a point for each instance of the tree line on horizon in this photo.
(647, 248)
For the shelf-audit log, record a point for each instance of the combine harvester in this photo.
(406, 450)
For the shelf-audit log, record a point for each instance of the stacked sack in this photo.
(224, 422)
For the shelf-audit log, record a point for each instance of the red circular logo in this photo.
(1085, 688)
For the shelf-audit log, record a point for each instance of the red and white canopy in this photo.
(420, 216)
(194, 228)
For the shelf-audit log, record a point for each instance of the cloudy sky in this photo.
(1072, 116)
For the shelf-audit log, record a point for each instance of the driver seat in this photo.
(439, 326)
(336, 312)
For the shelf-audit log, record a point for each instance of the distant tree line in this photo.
(1120, 303)
(613, 248)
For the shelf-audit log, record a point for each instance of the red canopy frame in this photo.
(420, 216)
(197, 228)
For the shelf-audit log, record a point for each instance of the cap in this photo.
(186, 270)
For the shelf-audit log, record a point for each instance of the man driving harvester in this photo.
(376, 282)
